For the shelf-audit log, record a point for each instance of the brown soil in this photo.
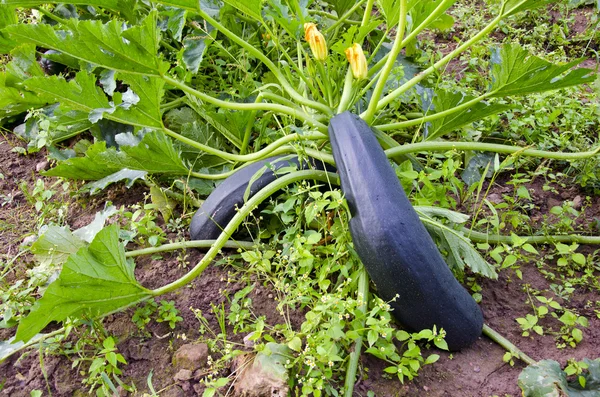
(476, 371)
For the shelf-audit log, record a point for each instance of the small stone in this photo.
(495, 198)
(270, 296)
(191, 356)
(247, 341)
(183, 375)
(41, 166)
(577, 202)
(476, 368)
(263, 374)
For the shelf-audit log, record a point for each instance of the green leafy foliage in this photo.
(133, 50)
(444, 100)
(94, 281)
(516, 72)
(155, 153)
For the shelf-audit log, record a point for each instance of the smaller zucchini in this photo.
(220, 206)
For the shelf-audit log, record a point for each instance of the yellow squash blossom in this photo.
(316, 41)
(358, 62)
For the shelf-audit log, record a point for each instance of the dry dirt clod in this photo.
(191, 356)
(41, 166)
(263, 375)
(183, 375)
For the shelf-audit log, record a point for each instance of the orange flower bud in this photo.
(358, 62)
(316, 41)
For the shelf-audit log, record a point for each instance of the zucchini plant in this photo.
(193, 92)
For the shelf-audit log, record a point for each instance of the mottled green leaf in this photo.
(193, 52)
(459, 249)
(127, 175)
(443, 101)
(251, 8)
(56, 245)
(516, 72)
(133, 50)
(513, 6)
(139, 106)
(90, 167)
(155, 153)
(94, 281)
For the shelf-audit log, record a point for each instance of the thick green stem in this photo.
(363, 294)
(189, 244)
(347, 92)
(239, 217)
(435, 116)
(436, 66)
(508, 345)
(411, 36)
(367, 13)
(173, 104)
(438, 146)
(245, 157)
(296, 113)
(479, 237)
(268, 63)
(369, 114)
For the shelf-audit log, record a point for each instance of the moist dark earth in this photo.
(476, 371)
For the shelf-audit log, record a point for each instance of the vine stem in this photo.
(479, 237)
(189, 244)
(367, 13)
(430, 18)
(451, 55)
(435, 116)
(507, 345)
(362, 293)
(244, 157)
(436, 146)
(243, 212)
(389, 65)
(273, 107)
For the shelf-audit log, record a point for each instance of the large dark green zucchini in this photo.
(220, 206)
(398, 253)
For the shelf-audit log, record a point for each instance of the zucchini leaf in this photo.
(96, 280)
(155, 153)
(444, 100)
(459, 249)
(512, 7)
(55, 246)
(546, 379)
(133, 50)
(516, 72)
(252, 8)
(138, 106)
(127, 175)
